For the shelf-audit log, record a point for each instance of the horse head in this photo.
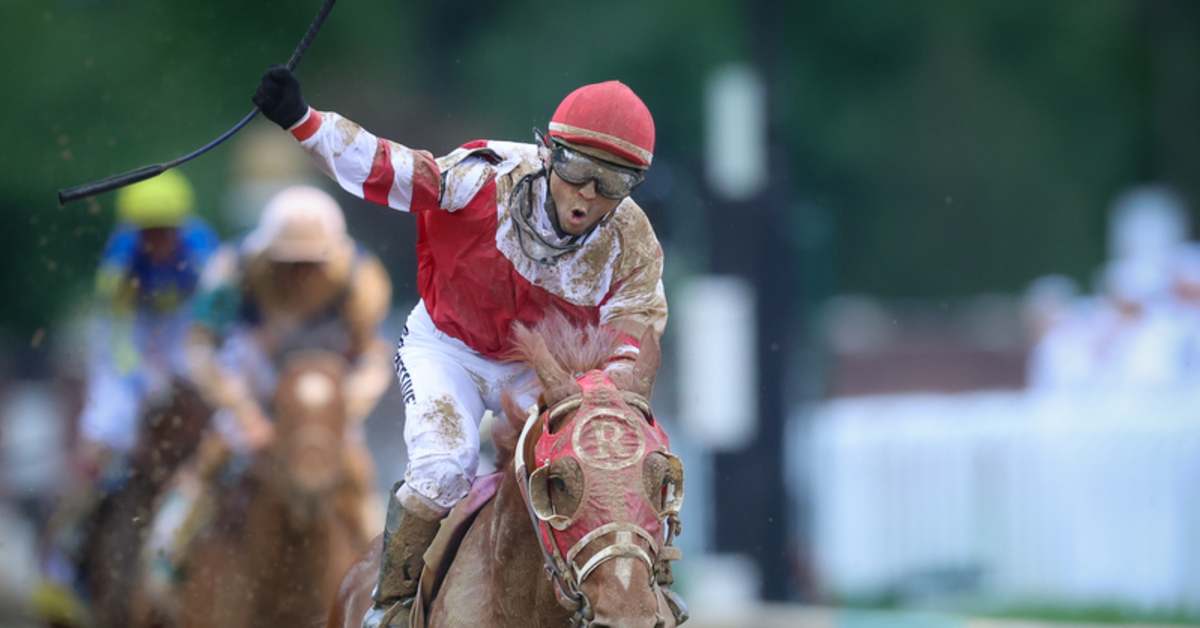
(169, 429)
(309, 409)
(602, 488)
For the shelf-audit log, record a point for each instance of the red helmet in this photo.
(607, 116)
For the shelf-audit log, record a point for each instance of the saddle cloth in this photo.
(445, 545)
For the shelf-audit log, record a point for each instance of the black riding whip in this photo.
(145, 172)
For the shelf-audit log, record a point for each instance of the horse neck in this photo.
(289, 551)
(519, 582)
(273, 499)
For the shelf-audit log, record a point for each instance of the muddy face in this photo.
(579, 207)
(160, 243)
(296, 275)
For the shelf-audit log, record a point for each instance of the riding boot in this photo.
(406, 536)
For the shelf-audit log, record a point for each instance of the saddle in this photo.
(444, 548)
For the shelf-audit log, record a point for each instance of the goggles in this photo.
(612, 181)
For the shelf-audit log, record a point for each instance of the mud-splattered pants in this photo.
(447, 387)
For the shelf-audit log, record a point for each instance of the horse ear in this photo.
(507, 429)
(645, 369)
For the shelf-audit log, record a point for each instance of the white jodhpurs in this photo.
(116, 392)
(447, 387)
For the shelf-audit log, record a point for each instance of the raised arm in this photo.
(369, 167)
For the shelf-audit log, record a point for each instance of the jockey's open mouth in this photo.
(578, 216)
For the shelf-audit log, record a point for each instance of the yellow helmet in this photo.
(163, 201)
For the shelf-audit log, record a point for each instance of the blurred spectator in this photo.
(1048, 301)
(1137, 341)
(1185, 292)
(1063, 356)
(1147, 223)
(1144, 332)
(1131, 338)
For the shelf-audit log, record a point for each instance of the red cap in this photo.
(607, 116)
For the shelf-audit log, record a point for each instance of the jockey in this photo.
(506, 232)
(148, 272)
(297, 282)
(147, 275)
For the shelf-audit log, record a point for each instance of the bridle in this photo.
(565, 574)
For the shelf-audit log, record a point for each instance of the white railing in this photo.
(1012, 496)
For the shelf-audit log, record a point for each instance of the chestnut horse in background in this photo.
(292, 524)
(605, 515)
(167, 436)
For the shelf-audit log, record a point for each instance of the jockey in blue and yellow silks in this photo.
(148, 272)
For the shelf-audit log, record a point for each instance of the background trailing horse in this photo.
(167, 436)
(292, 522)
(593, 472)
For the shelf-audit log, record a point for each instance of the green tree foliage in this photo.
(958, 147)
(966, 146)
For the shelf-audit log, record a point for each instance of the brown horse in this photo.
(292, 523)
(167, 436)
(601, 483)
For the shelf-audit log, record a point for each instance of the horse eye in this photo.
(562, 496)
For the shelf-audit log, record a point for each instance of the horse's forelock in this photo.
(577, 349)
(574, 349)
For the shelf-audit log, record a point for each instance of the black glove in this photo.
(278, 97)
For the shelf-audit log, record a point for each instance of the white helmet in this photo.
(300, 224)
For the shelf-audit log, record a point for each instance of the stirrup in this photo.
(678, 607)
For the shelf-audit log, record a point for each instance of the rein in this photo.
(566, 576)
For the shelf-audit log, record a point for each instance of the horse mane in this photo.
(576, 349)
